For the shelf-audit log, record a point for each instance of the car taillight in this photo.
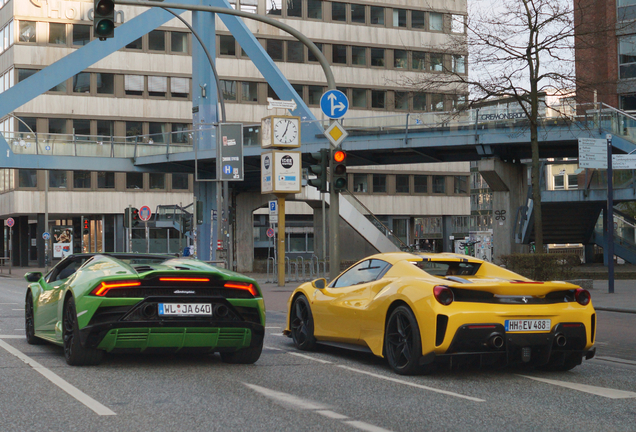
(243, 286)
(582, 296)
(443, 294)
(103, 288)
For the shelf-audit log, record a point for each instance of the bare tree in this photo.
(519, 50)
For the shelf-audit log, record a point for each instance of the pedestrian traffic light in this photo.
(321, 160)
(339, 171)
(104, 19)
(135, 217)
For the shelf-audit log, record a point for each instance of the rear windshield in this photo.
(447, 268)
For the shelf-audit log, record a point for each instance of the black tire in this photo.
(74, 352)
(402, 342)
(301, 321)
(29, 322)
(243, 356)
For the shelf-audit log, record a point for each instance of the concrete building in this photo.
(142, 94)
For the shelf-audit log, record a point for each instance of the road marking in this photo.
(17, 309)
(8, 303)
(11, 337)
(272, 327)
(272, 348)
(399, 381)
(276, 334)
(309, 357)
(615, 360)
(18, 329)
(306, 404)
(598, 391)
(601, 343)
(79, 395)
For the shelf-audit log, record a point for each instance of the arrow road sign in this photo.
(334, 104)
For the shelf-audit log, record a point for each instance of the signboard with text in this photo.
(592, 153)
(229, 152)
(281, 172)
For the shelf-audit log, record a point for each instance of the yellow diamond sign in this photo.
(335, 133)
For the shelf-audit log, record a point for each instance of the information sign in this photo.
(229, 152)
(592, 153)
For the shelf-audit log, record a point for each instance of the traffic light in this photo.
(187, 223)
(126, 217)
(339, 171)
(135, 217)
(320, 170)
(85, 226)
(104, 19)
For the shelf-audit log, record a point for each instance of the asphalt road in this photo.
(327, 390)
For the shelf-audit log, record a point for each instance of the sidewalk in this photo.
(622, 300)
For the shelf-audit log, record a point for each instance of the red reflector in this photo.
(243, 286)
(178, 279)
(481, 327)
(572, 325)
(104, 287)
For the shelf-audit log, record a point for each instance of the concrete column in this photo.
(510, 187)
(206, 232)
(246, 203)
(447, 231)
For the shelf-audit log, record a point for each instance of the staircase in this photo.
(174, 216)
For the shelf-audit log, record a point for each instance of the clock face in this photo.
(286, 131)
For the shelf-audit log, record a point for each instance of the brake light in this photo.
(582, 296)
(242, 286)
(443, 295)
(180, 279)
(103, 288)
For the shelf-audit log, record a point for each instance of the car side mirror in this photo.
(319, 283)
(33, 276)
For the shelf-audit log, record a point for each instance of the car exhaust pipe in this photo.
(222, 311)
(561, 340)
(148, 310)
(496, 341)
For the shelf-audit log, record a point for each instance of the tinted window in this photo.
(366, 271)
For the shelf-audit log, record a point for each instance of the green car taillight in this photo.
(103, 288)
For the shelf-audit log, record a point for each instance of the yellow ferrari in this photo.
(420, 310)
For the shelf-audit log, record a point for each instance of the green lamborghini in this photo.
(114, 302)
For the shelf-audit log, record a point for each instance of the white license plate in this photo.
(528, 325)
(185, 309)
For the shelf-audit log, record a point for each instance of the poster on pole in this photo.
(62, 240)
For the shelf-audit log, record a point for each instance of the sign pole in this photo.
(129, 228)
(281, 239)
(10, 248)
(147, 237)
(610, 217)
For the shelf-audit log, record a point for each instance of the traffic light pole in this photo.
(130, 228)
(281, 239)
(334, 223)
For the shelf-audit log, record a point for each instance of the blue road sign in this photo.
(334, 104)
(46, 236)
(227, 169)
(272, 206)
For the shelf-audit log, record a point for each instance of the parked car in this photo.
(96, 303)
(420, 310)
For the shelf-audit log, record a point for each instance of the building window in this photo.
(157, 133)
(81, 179)
(178, 42)
(81, 34)
(437, 102)
(314, 94)
(134, 85)
(82, 83)
(61, 87)
(249, 91)
(25, 73)
(558, 182)
(417, 19)
(460, 184)
(379, 183)
(273, 7)
(134, 128)
(339, 11)
(377, 15)
(314, 9)
(378, 98)
(419, 102)
(361, 183)
(180, 133)
(436, 21)
(57, 34)
(227, 45)
(295, 51)
(358, 98)
(57, 179)
(459, 63)
(418, 61)
(157, 40)
(157, 180)
(339, 54)
(400, 59)
(402, 183)
(295, 8)
(437, 62)
(27, 31)
(627, 56)
(399, 17)
(377, 57)
(157, 86)
(573, 181)
(229, 90)
(358, 56)
(27, 178)
(105, 83)
(401, 100)
(134, 180)
(439, 184)
(179, 87)
(57, 126)
(106, 180)
(135, 45)
(105, 128)
(420, 184)
(82, 127)
(358, 13)
(179, 181)
(311, 57)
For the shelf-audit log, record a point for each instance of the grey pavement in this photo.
(622, 300)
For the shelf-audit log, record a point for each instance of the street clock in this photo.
(280, 131)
